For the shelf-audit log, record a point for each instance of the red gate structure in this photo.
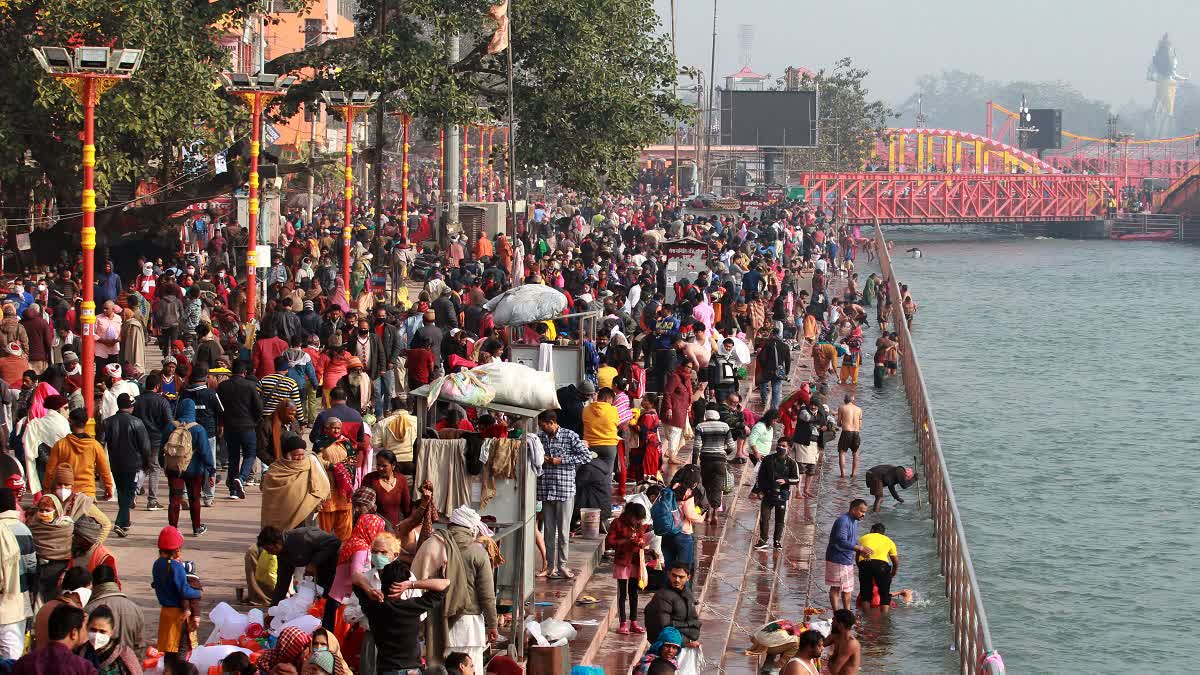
(861, 198)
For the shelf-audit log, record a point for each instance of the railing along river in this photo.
(971, 635)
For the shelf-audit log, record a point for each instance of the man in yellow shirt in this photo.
(594, 480)
(605, 375)
(600, 421)
(879, 568)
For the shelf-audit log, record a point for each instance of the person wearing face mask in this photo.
(65, 632)
(104, 648)
(147, 282)
(128, 620)
(356, 556)
(76, 592)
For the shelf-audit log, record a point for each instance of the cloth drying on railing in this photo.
(442, 463)
(503, 459)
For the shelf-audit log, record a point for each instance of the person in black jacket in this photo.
(310, 321)
(241, 412)
(300, 548)
(778, 473)
(129, 451)
(395, 621)
(881, 476)
(208, 349)
(773, 365)
(208, 408)
(154, 410)
(672, 606)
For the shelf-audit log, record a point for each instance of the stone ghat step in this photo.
(601, 645)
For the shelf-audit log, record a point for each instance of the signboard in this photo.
(796, 193)
(262, 259)
(270, 134)
(686, 258)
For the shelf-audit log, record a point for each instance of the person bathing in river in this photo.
(889, 476)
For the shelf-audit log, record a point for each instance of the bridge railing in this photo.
(971, 635)
(1148, 223)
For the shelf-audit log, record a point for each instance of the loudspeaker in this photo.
(1048, 122)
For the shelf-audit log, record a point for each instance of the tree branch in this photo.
(286, 63)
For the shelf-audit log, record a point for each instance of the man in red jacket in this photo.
(266, 348)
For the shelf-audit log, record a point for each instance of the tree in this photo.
(140, 123)
(957, 100)
(849, 121)
(591, 77)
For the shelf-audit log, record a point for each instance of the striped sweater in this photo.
(713, 438)
(25, 566)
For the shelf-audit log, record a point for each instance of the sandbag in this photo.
(519, 385)
(526, 304)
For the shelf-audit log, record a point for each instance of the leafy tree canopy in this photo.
(140, 123)
(954, 99)
(591, 77)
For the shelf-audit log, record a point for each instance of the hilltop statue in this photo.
(1163, 71)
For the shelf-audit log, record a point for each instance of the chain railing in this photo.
(971, 636)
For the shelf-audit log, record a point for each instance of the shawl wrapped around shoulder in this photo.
(292, 490)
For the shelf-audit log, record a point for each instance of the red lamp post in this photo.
(89, 72)
(257, 91)
(349, 104)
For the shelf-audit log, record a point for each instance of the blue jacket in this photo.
(202, 463)
(842, 540)
(170, 583)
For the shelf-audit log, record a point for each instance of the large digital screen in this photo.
(773, 119)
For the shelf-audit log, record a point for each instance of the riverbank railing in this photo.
(971, 635)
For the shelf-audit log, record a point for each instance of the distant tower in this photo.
(1163, 71)
(745, 43)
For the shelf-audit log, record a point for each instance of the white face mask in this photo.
(99, 640)
(63, 494)
(41, 288)
(221, 274)
(84, 594)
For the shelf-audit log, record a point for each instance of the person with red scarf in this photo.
(354, 558)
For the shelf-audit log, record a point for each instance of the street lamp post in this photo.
(349, 104)
(405, 122)
(257, 91)
(89, 72)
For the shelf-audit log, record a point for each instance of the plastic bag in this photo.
(295, 606)
(690, 661)
(519, 385)
(467, 388)
(526, 304)
(230, 624)
(556, 630)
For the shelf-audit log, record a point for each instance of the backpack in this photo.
(177, 451)
(665, 514)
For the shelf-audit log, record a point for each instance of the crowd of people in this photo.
(312, 407)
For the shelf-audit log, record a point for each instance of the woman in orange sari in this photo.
(341, 461)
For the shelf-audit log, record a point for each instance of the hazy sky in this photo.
(1100, 46)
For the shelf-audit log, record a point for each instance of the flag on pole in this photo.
(499, 41)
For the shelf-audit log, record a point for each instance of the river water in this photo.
(1065, 384)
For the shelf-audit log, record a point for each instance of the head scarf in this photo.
(465, 516)
(37, 408)
(368, 527)
(293, 642)
(187, 410)
(503, 664)
(323, 660)
(669, 635)
(363, 500)
(89, 529)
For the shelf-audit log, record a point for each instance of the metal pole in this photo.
(675, 95)
(88, 237)
(466, 162)
(256, 106)
(712, 81)
(312, 150)
(405, 120)
(450, 158)
(479, 194)
(347, 228)
(377, 173)
(697, 140)
(510, 140)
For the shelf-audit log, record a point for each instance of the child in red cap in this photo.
(178, 616)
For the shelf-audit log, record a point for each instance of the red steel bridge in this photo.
(868, 196)
(947, 176)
